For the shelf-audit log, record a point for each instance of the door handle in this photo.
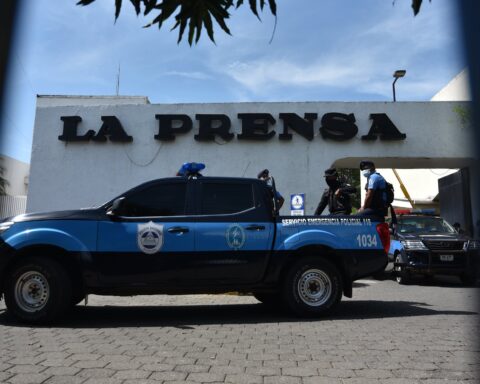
(255, 227)
(179, 230)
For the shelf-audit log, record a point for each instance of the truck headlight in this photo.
(474, 244)
(414, 245)
(5, 225)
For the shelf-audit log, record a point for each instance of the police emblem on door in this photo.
(235, 236)
(150, 237)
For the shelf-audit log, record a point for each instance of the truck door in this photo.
(233, 231)
(151, 238)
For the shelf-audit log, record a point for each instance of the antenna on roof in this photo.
(118, 80)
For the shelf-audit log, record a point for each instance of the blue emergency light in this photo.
(190, 169)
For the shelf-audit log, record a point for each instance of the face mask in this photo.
(366, 172)
(331, 183)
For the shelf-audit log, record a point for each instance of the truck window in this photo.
(221, 198)
(158, 200)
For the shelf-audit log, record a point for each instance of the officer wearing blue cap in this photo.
(375, 203)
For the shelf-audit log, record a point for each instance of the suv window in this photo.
(157, 200)
(221, 198)
(424, 225)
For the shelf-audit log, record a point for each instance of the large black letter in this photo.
(299, 125)
(206, 130)
(382, 126)
(112, 128)
(255, 126)
(166, 130)
(70, 124)
(338, 126)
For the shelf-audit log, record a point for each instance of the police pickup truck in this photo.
(185, 235)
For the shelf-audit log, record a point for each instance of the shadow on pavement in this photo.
(187, 317)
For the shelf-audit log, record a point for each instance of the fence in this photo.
(12, 205)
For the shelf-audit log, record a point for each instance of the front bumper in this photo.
(440, 262)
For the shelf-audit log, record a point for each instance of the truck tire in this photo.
(37, 290)
(312, 287)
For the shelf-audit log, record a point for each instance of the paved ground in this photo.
(386, 334)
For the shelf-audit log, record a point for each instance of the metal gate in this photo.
(455, 203)
(12, 206)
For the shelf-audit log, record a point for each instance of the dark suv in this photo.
(428, 246)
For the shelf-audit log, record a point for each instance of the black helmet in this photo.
(366, 164)
(330, 172)
(263, 173)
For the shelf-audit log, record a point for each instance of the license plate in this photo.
(446, 257)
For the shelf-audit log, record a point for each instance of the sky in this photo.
(329, 50)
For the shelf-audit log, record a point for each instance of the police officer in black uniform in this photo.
(336, 196)
(265, 176)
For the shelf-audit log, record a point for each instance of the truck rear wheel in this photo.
(312, 287)
(37, 290)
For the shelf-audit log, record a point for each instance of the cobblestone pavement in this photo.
(386, 334)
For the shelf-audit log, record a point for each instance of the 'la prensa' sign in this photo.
(254, 126)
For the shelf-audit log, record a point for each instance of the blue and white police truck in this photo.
(186, 235)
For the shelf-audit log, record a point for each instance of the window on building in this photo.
(158, 200)
(228, 198)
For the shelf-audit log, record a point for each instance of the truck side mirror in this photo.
(116, 208)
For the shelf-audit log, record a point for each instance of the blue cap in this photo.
(188, 169)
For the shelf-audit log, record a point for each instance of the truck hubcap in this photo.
(32, 291)
(314, 287)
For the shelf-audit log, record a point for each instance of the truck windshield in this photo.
(424, 225)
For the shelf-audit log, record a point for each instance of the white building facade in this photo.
(87, 150)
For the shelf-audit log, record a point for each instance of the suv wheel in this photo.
(37, 290)
(312, 287)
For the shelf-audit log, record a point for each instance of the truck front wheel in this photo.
(312, 287)
(37, 290)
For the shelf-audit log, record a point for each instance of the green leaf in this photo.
(220, 20)
(273, 7)
(85, 2)
(136, 4)
(191, 31)
(416, 4)
(118, 7)
(149, 6)
(199, 22)
(183, 24)
(253, 7)
(209, 26)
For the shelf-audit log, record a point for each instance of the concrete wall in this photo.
(71, 175)
(16, 172)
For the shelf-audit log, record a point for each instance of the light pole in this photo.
(397, 74)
